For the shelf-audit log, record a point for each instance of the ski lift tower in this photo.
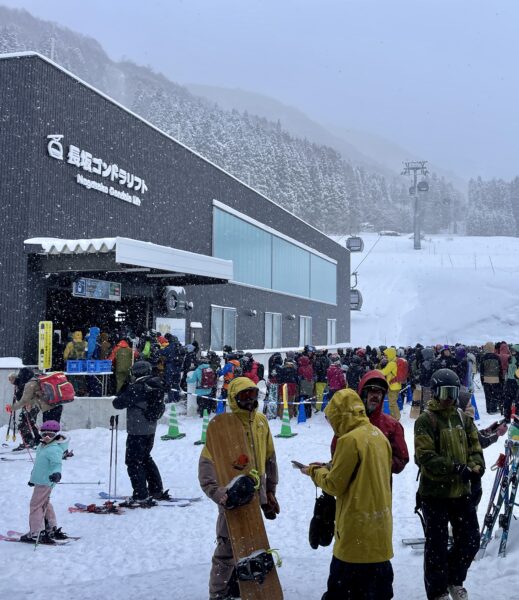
(413, 168)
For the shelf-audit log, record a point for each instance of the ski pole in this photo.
(9, 426)
(112, 421)
(116, 438)
(81, 483)
(14, 426)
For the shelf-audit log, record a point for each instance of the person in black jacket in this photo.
(143, 400)
(491, 378)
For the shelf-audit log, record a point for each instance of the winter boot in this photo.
(443, 597)
(458, 592)
(138, 503)
(165, 495)
(29, 538)
(56, 534)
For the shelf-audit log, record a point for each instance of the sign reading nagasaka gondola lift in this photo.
(113, 175)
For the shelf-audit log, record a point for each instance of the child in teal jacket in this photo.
(45, 474)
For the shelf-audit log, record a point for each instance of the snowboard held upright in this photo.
(257, 575)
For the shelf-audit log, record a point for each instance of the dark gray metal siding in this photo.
(39, 197)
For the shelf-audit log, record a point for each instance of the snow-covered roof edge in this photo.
(59, 246)
(46, 59)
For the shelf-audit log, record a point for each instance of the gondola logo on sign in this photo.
(113, 173)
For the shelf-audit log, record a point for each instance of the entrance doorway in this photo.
(69, 313)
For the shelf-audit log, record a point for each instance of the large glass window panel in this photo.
(305, 331)
(323, 279)
(272, 330)
(249, 247)
(331, 334)
(290, 268)
(229, 327)
(216, 328)
(276, 331)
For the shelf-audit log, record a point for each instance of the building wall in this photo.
(39, 197)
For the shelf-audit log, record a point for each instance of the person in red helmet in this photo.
(372, 389)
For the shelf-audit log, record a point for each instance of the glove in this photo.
(30, 484)
(463, 471)
(271, 508)
(9, 408)
(55, 477)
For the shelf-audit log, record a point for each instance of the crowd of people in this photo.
(368, 445)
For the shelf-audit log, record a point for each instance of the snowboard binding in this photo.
(255, 567)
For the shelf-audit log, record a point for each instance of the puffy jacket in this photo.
(390, 369)
(259, 441)
(359, 477)
(133, 397)
(444, 437)
(48, 460)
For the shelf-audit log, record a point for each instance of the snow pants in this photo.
(492, 397)
(142, 470)
(27, 426)
(392, 397)
(320, 386)
(222, 580)
(510, 398)
(443, 566)
(41, 510)
(359, 581)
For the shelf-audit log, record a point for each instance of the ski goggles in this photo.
(448, 392)
(375, 388)
(249, 394)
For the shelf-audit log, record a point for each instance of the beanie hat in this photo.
(53, 426)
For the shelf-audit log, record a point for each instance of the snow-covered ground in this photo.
(462, 289)
(166, 551)
(456, 289)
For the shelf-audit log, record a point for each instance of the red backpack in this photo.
(208, 378)
(402, 370)
(55, 388)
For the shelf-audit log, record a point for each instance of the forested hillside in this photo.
(313, 181)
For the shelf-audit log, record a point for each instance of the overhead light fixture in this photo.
(252, 312)
(291, 317)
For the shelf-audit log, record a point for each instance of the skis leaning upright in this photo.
(506, 517)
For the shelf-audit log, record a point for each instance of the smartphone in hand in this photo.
(298, 465)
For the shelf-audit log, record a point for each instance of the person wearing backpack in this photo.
(205, 380)
(32, 397)
(335, 376)
(491, 378)
(143, 399)
(450, 458)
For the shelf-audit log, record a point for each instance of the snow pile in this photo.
(166, 552)
(456, 289)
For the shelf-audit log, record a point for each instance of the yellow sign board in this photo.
(44, 345)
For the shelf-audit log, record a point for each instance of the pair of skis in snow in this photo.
(116, 505)
(505, 487)
(14, 536)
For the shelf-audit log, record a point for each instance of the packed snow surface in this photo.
(455, 289)
(166, 551)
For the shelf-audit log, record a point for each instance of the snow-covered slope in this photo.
(456, 289)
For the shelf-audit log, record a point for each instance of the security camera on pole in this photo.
(422, 186)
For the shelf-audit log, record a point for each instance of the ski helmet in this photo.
(445, 384)
(141, 368)
(52, 426)
(372, 379)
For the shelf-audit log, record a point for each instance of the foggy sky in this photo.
(439, 77)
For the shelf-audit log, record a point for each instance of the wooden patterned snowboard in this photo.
(227, 443)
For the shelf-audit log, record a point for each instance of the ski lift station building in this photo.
(109, 222)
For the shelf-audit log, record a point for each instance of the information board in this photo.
(97, 289)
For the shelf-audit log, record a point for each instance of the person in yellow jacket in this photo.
(243, 401)
(359, 477)
(76, 348)
(390, 371)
